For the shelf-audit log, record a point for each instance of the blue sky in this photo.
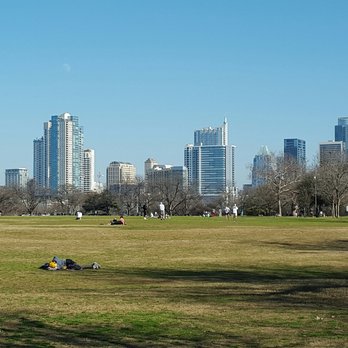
(143, 75)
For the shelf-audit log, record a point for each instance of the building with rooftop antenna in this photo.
(262, 165)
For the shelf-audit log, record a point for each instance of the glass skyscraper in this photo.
(210, 162)
(58, 155)
(341, 131)
(295, 149)
(262, 167)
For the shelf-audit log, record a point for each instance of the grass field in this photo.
(182, 282)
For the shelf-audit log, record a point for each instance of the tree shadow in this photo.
(22, 331)
(302, 286)
(255, 275)
(336, 245)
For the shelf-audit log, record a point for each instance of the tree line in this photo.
(290, 189)
(286, 189)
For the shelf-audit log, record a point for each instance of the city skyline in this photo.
(197, 131)
(143, 76)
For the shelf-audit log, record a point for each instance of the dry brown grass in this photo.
(182, 282)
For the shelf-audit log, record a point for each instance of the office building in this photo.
(149, 164)
(295, 149)
(166, 174)
(210, 162)
(331, 151)
(120, 174)
(16, 177)
(58, 155)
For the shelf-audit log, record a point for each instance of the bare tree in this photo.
(283, 178)
(128, 198)
(30, 196)
(170, 191)
(307, 195)
(9, 203)
(332, 181)
(69, 199)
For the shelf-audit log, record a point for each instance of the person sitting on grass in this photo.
(121, 221)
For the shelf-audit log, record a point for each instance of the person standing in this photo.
(235, 211)
(145, 211)
(227, 212)
(162, 211)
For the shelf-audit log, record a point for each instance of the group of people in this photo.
(162, 215)
(228, 212)
(162, 212)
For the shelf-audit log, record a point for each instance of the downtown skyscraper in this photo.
(295, 149)
(341, 131)
(58, 154)
(210, 162)
(262, 166)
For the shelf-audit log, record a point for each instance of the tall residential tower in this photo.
(58, 155)
(88, 170)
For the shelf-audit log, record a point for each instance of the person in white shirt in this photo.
(162, 211)
(235, 211)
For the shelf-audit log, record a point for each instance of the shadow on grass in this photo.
(20, 331)
(235, 276)
(336, 245)
(306, 288)
(300, 287)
